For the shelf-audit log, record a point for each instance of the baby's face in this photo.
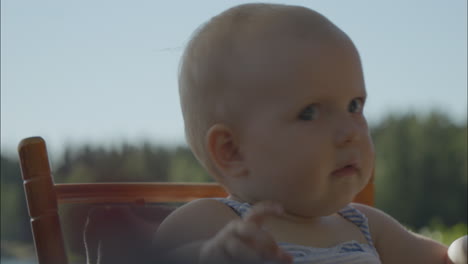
(306, 142)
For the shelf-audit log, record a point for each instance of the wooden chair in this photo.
(43, 197)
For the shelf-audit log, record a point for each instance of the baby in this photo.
(272, 98)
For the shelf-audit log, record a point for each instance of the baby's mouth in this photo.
(346, 171)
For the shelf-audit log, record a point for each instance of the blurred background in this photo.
(98, 81)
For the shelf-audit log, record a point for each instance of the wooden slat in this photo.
(42, 201)
(136, 192)
(156, 192)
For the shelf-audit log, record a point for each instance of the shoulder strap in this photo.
(239, 208)
(359, 219)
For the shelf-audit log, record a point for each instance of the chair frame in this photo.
(43, 197)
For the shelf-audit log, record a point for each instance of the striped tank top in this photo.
(350, 252)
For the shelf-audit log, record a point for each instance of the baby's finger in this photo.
(257, 238)
(236, 249)
(246, 241)
(284, 257)
(261, 211)
(250, 231)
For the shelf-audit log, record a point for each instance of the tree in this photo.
(421, 169)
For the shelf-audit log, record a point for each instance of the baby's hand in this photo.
(245, 241)
(457, 251)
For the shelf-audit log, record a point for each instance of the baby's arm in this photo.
(206, 231)
(396, 244)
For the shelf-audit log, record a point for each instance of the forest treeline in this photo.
(421, 172)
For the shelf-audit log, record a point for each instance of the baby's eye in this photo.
(309, 113)
(356, 105)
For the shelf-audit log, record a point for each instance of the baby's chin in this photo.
(311, 209)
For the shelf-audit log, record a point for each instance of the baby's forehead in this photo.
(263, 21)
(249, 34)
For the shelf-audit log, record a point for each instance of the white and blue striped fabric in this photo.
(349, 252)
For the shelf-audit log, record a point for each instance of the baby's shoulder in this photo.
(367, 210)
(373, 215)
(196, 220)
(207, 210)
(380, 223)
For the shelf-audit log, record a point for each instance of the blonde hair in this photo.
(206, 81)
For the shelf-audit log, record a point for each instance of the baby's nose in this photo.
(347, 131)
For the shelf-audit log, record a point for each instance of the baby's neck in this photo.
(300, 219)
(286, 217)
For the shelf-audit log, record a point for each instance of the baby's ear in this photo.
(223, 148)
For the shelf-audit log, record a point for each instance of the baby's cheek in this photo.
(367, 157)
(367, 147)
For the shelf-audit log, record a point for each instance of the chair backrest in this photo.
(43, 197)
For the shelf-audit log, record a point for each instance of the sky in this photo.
(105, 72)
